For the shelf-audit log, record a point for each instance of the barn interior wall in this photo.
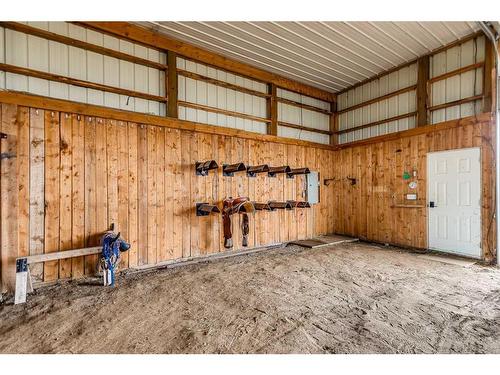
(75, 174)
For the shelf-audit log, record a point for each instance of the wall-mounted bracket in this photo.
(205, 209)
(202, 167)
(327, 181)
(3, 135)
(274, 205)
(352, 179)
(273, 171)
(297, 171)
(229, 169)
(298, 204)
(253, 170)
(261, 206)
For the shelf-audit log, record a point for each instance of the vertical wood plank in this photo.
(23, 173)
(52, 165)
(161, 243)
(65, 193)
(9, 197)
(37, 189)
(177, 221)
(152, 195)
(78, 193)
(122, 140)
(142, 173)
(91, 235)
(186, 209)
(102, 221)
(133, 200)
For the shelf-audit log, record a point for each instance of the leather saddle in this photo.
(231, 206)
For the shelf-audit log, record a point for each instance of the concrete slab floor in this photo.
(347, 298)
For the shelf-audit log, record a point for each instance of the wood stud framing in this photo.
(422, 90)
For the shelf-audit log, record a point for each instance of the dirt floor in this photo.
(349, 298)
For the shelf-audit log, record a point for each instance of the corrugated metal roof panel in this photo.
(328, 55)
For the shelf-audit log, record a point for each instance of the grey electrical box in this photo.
(312, 191)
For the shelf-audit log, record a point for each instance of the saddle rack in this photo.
(261, 206)
(202, 167)
(229, 169)
(273, 171)
(253, 170)
(205, 209)
(274, 205)
(299, 204)
(297, 171)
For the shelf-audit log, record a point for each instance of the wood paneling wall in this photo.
(67, 176)
(73, 175)
(364, 210)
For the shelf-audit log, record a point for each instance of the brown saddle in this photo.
(230, 206)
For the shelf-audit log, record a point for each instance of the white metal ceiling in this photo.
(328, 55)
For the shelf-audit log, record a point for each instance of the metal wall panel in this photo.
(303, 117)
(40, 54)
(394, 106)
(459, 86)
(204, 93)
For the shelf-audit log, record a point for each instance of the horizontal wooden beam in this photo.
(379, 122)
(302, 105)
(217, 82)
(408, 63)
(456, 102)
(456, 72)
(42, 102)
(79, 82)
(222, 111)
(32, 259)
(144, 35)
(16, 26)
(300, 127)
(378, 99)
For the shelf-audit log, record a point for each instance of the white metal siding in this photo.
(204, 93)
(36, 53)
(302, 116)
(459, 86)
(394, 106)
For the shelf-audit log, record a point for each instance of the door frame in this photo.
(427, 200)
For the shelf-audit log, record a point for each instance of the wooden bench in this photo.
(23, 276)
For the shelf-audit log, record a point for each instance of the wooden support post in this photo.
(334, 124)
(422, 97)
(272, 110)
(171, 78)
(488, 77)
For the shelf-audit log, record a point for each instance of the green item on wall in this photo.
(406, 175)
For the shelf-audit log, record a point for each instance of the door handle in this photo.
(432, 205)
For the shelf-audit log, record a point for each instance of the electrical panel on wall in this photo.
(312, 191)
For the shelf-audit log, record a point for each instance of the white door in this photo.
(454, 201)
